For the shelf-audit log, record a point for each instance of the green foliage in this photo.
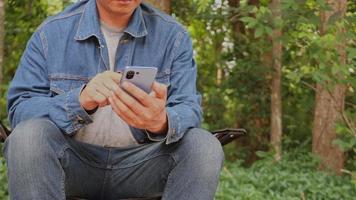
(3, 179)
(242, 98)
(347, 138)
(295, 177)
(234, 77)
(21, 20)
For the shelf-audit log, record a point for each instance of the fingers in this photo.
(101, 89)
(137, 93)
(105, 83)
(109, 79)
(137, 108)
(160, 90)
(153, 103)
(115, 76)
(129, 101)
(124, 112)
(98, 90)
(110, 84)
(99, 98)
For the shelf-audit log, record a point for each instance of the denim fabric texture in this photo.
(43, 163)
(68, 49)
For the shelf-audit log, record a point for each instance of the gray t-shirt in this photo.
(108, 129)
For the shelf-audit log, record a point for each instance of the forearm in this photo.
(64, 110)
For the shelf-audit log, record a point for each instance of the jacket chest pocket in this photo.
(60, 85)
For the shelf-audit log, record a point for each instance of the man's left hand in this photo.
(142, 110)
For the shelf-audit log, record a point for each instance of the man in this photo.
(78, 134)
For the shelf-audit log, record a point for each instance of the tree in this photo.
(239, 26)
(272, 59)
(329, 104)
(276, 99)
(2, 36)
(164, 5)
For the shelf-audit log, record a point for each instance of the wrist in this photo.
(161, 128)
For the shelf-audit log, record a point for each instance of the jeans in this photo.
(43, 163)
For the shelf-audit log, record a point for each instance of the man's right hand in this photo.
(98, 90)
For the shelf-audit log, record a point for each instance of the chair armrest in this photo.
(225, 136)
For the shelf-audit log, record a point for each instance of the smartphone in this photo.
(142, 77)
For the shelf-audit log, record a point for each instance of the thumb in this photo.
(115, 76)
(160, 90)
(153, 94)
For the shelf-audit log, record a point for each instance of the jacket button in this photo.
(80, 120)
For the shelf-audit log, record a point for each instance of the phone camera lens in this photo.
(130, 74)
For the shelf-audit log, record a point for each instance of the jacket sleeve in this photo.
(29, 94)
(183, 104)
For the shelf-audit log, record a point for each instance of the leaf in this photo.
(263, 154)
(249, 21)
(259, 32)
(268, 30)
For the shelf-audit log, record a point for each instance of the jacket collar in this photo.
(89, 24)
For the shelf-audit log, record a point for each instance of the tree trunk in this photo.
(2, 36)
(329, 104)
(164, 5)
(254, 2)
(276, 99)
(237, 25)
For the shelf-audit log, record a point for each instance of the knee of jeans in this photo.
(31, 137)
(201, 146)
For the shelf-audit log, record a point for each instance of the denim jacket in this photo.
(67, 50)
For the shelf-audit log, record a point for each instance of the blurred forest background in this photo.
(282, 69)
